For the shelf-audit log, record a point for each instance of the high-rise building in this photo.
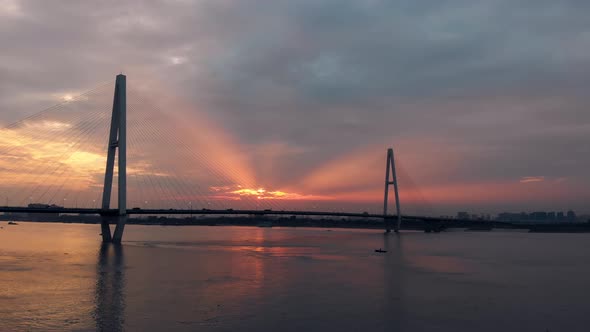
(462, 215)
(507, 216)
(571, 215)
(538, 216)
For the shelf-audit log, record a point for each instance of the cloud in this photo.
(529, 179)
(10, 8)
(283, 94)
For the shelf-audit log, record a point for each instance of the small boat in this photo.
(12, 223)
(265, 224)
(380, 250)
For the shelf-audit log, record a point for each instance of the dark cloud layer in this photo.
(500, 84)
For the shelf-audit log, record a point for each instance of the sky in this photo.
(484, 102)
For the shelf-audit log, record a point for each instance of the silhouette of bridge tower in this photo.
(391, 179)
(117, 140)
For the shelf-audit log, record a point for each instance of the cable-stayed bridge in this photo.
(55, 162)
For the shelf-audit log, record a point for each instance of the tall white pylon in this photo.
(391, 179)
(117, 139)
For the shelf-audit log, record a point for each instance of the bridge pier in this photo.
(118, 235)
(105, 229)
(117, 140)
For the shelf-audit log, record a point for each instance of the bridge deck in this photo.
(188, 212)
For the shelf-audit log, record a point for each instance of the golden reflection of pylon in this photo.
(109, 314)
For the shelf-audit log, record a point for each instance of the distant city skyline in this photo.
(536, 216)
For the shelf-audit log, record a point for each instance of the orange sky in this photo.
(193, 161)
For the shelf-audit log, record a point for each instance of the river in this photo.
(206, 278)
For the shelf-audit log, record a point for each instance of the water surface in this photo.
(59, 277)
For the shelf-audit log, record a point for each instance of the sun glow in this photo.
(47, 125)
(262, 193)
(84, 161)
(238, 192)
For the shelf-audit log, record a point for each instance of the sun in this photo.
(238, 192)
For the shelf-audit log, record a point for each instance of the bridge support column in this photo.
(117, 139)
(391, 179)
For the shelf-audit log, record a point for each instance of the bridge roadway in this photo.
(410, 222)
(112, 212)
